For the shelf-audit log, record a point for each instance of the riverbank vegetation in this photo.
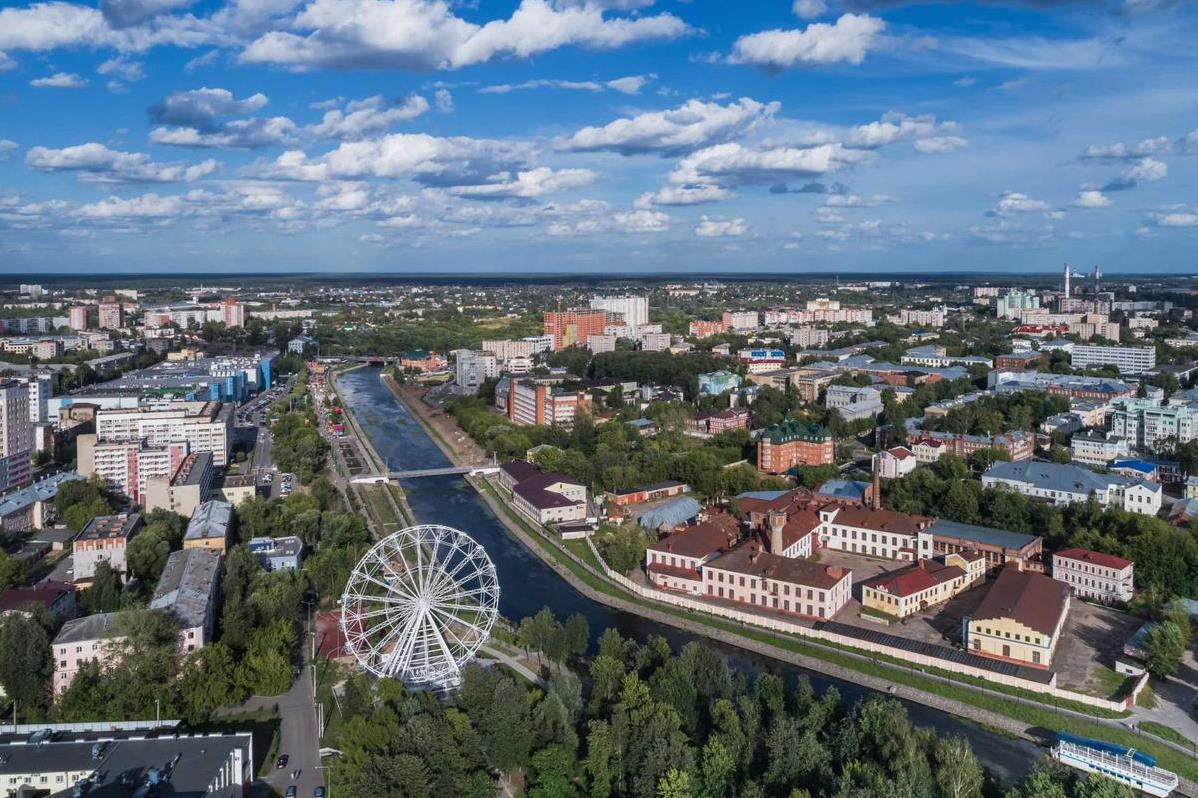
(648, 722)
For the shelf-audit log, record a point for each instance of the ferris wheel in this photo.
(419, 605)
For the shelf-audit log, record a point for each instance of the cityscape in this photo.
(264, 537)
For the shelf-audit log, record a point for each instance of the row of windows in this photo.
(1033, 639)
(812, 594)
(769, 602)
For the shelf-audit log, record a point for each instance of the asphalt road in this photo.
(298, 738)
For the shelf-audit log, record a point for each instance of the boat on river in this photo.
(1125, 765)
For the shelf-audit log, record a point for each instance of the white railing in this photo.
(1121, 763)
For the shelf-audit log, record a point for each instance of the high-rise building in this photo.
(111, 314)
(41, 388)
(16, 435)
(128, 466)
(77, 317)
(206, 426)
(234, 312)
(570, 327)
(634, 309)
(1128, 359)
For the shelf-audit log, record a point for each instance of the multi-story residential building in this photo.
(16, 435)
(713, 422)
(810, 382)
(717, 382)
(104, 540)
(129, 466)
(791, 443)
(601, 343)
(1094, 325)
(808, 337)
(232, 312)
(77, 317)
(187, 592)
(111, 314)
(1015, 302)
(895, 462)
(530, 402)
(41, 388)
(238, 488)
(1128, 359)
(1142, 323)
(655, 342)
(934, 317)
(31, 507)
(923, 585)
(183, 491)
(854, 402)
(1020, 619)
(1017, 361)
(760, 361)
(505, 350)
(676, 561)
(1145, 422)
(278, 554)
(209, 527)
(1094, 575)
(634, 310)
(741, 320)
(936, 357)
(1018, 445)
(572, 327)
(93, 638)
(205, 426)
(706, 329)
(1097, 449)
(875, 532)
(750, 575)
(1065, 484)
(829, 311)
(471, 369)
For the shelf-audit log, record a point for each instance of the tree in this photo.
(26, 664)
(104, 594)
(958, 774)
(209, 681)
(146, 554)
(12, 571)
(675, 784)
(1164, 647)
(552, 768)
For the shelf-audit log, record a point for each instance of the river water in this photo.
(527, 584)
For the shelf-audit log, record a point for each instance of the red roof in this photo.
(675, 570)
(700, 540)
(881, 520)
(900, 452)
(916, 578)
(1095, 558)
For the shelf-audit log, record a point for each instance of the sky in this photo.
(598, 136)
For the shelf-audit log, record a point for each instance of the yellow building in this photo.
(209, 527)
(1020, 619)
(922, 585)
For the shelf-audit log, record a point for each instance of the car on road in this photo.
(291, 792)
(281, 762)
(318, 792)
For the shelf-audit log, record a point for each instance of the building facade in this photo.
(1128, 359)
(1094, 575)
(754, 577)
(1020, 619)
(104, 539)
(791, 443)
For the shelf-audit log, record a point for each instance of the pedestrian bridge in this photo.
(372, 479)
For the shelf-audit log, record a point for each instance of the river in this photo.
(527, 584)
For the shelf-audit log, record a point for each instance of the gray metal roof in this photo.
(91, 627)
(671, 513)
(1060, 477)
(210, 520)
(981, 534)
(188, 585)
(42, 491)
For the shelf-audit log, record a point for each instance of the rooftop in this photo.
(188, 585)
(1034, 600)
(916, 578)
(90, 627)
(106, 527)
(1095, 558)
(984, 535)
(210, 520)
(288, 546)
(193, 469)
(752, 560)
(535, 490)
(43, 593)
(1061, 477)
(42, 491)
(700, 540)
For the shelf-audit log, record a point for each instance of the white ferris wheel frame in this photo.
(419, 605)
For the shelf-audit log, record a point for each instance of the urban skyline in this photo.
(331, 136)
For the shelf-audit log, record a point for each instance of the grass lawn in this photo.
(1167, 733)
(1039, 715)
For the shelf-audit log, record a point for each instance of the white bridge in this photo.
(374, 479)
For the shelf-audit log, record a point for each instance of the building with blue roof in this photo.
(31, 507)
(1064, 484)
(845, 489)
(670, 514)
(716, 382)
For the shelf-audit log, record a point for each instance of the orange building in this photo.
(706, 329)
(791, 443)
(570, 327)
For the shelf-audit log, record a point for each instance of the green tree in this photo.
(104, 594)
(26, 664)
(1164, 648)
(958, 774)
(675, 784)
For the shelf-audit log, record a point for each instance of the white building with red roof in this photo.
(1094, 575)
(675, 562)
(928, 450)
(751, 576)
(896, 462)
(923, 585)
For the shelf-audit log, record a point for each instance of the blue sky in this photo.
(598, 136)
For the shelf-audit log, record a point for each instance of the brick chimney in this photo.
(876, 498)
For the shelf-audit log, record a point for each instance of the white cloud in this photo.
(641, 221)
(362, 118)
(895, 126)
(717, 228)
(1091, 198)
(200, 108)
(937, 145)
(127, 13)
(444, 100)
(1013, 202)
(846, 40)
(734, 164)
(238, 134)
(1146, 170)
(854, 201)
(809, 9)
(122, 68)
(425, 34)
(7, 147)
(6, 63)
(146, 206)
(98, 163)
(627, 85)
(674, 131)
(1033, 52)
(60, 80)
(531, 183)
(45, 26)
(1178, 219)
(1121, 151)
(682, 195)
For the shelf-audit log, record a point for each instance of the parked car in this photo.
(281, 762)
(292, 792)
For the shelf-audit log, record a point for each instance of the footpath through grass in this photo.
(1041, 715)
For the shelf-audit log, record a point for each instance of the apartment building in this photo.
(634, 310)
(104, 539)
(754, 577)
(77, 317)
(1017, 361)
(185, 490)
(1128, 359)
(1065, 484)
(1094, 575)
(232, 313)
(93, 638)
(572, 327)
(655, 342)
(205, 426)
(808, 337)
(1018, 445)
(925, 584)
(41, 388)
(676, 561)
(532, 402)
(741, 320)
(129, 466)
(791, 443)
(111, 314)
(209, 527)
(16, 435)
(706, 329)
(601, 343)
(187, 592)
(505, 350)
(933, 317)
(1097, 449)
(854, 402)
(1020, 619)
(829, 311)
(1143, 423)
(471, 369)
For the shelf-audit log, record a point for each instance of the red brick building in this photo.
(570, 327)
(791, 443)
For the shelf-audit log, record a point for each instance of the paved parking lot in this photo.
(1092, 638)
